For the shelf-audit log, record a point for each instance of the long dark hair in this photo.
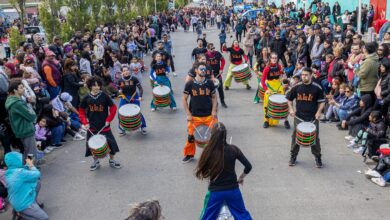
(211, 162)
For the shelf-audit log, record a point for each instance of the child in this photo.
(289, 70)
(135, 69)
(375, 131)
(222, 38)
(42, 135)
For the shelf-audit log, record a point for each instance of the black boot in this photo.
(293, 161)
(223, 104)
(318, 162)
(248, 87)
(266, 124)
(287, 124)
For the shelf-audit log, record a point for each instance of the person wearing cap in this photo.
(63, 104)
(52, 74)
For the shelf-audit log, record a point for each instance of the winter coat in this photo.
(360, 115)
(349, 104)
(336, 69)
(368, 73)
(21, 117)
(71, 86)
(21, 182)
(316, 52)
(41, 133)
(377, 130)
(385, 88)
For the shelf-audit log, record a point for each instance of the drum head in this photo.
(161, 90)
(202, 133)
(240, 67)
(278, 98)
(129, 110)
(306, 127)
(97, 141)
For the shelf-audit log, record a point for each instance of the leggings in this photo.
(361, 136)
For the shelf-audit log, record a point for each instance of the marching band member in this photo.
(202, 109)
(97, 110)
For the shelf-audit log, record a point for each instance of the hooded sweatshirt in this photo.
(21, 117)
(21, 182)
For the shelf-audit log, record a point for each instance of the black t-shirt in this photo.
(227, 179)
(96, 109)
(236, 55)
(201, 97)
(129, 86)
(197, 51)
(160, 68)
(214, 62)
(192, 72)
(307, 98)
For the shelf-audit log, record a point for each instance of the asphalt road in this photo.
(152, 166)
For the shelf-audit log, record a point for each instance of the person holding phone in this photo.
(23, 186)
(217, 163)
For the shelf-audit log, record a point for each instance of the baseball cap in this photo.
(66, 97)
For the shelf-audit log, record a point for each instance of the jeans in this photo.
(57, 133)
(34, 212)
(53, 91)
(325, 85)
(342, 114)
(75, 122)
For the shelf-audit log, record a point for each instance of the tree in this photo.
(78, 16)
(15, 38)
(50, 22)
(20, 7)
(96, 5)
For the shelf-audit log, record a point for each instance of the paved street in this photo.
(152, 166)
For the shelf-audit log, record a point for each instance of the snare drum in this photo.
(242, 73)
(216, 83)
(277, 106)
(130, 117)
(202, 135)
(161, 96)
(98, 146)
(306, 134)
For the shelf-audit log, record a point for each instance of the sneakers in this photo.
(359, 150)
(372, 173)
(248, 87)
(379, 181)
(78, 137)
(48, 150)
(95, 164)
(174, 74)
(287, 124)
(122, 133)
(187, 158)
(174, 109)
(352, 144)
(56, 146)
(266, 124)
(318, 162)
(255, 102)
(224, 104)
(293, 161)
(349, 138)
(114, 164)
(153, 109)
(144, 131)
(83, 132)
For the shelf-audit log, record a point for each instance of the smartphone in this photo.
(30, 156)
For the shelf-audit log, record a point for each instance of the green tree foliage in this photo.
(48, 15)
(15, 39)
(96, 6)
(78, 16)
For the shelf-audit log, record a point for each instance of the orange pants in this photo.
(189, 148)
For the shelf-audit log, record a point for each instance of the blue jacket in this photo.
(21, 182)
(350, 104)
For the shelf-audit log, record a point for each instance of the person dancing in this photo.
(158, 75)
(217, 163)
(128, 85)
(202, 109)
(237, 55)
(272, 84)
(97, 110)
(310, 102)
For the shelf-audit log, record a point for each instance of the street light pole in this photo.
(359, 24)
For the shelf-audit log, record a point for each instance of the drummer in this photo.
(200, 49)
(128, 85)
(202, 109)
(158, 74)
(237, 56)
(310, 101)
(217, 63)
(271, 80)
(97, 110)
(191, 73)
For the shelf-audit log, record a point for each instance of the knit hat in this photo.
(11, 66)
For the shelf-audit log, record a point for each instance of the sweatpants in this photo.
(30, 147)
(214, 200)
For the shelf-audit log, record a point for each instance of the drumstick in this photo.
(197, 132)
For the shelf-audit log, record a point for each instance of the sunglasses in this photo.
(202, 69)
(347, 91)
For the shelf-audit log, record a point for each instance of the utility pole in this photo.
(155, 6)
(359, 21)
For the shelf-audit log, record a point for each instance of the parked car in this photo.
(31, 30)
